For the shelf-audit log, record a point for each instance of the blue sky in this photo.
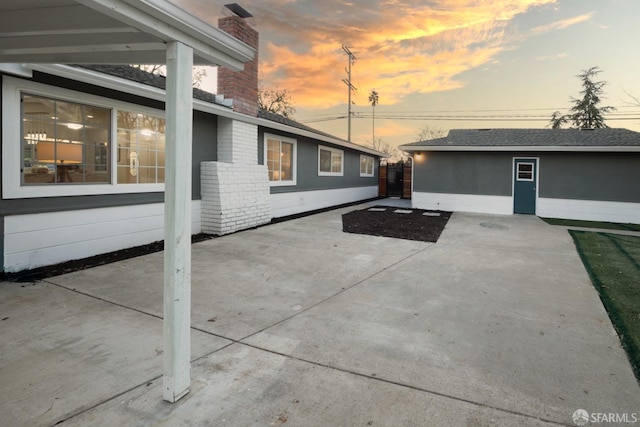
(442, 58)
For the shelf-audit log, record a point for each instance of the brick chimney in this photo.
(241, 86)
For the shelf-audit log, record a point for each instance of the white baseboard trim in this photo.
(283, 204)
(589, 210)
(501, 205)
(37, 240)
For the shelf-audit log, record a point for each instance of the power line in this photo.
(311, 118)
(631, 116)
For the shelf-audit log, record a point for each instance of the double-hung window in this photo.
(280, 155)
(366, 165)
(330, 161)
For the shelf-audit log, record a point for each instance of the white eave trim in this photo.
(168, 22)
(504, 148)
(120, 84)
(301, 132)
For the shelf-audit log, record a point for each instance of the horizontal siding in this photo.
(283, 204)
(307, 178)
(612, 177)
(37, 240)
(501, 205)
(589, 210)
(470, 173)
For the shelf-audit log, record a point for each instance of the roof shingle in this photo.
(606, 137)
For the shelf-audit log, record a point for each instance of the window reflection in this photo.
(64, 142)
(141, 148)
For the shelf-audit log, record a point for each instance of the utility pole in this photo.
(351, 88)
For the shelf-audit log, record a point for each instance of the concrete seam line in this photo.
(341, 291)
(136, 310)
(100, 298)
(83, 410)
(399, 384)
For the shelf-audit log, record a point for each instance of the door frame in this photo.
(513, 180)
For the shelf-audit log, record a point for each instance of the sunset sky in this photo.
(442, 63)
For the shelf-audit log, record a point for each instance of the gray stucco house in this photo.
(559, 173)
(83, 160)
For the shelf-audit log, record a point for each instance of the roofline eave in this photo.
(539, 148)
(151, 92)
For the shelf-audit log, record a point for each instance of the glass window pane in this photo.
(273, 159)
(286, 162)
(325, 161)
(525, 176)
(525, 171)
(141, 148)
(366, 165)
(336, 163)
(125, 176)
(59, 142)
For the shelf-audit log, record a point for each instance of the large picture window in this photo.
(59, 142)
(281, 160)
(64, 142)
(330, 161)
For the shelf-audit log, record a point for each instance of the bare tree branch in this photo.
(277, 101)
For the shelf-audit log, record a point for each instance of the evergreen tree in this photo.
(586, 112)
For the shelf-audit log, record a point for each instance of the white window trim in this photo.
(333, 150)
(533, 171)
(11, 151)
(373, 167)
(294, 160)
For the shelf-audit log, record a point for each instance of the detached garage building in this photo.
(558, 173)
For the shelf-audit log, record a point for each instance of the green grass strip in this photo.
(613, 264)
(592, 224)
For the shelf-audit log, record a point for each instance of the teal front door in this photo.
(524, 186)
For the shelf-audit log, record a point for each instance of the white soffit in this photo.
(110, 32)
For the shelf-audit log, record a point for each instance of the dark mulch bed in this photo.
(387, 223)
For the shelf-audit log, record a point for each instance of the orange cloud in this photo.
(403, 47)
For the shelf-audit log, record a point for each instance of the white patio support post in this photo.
(177, 223)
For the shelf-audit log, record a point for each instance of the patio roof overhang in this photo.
(136, 32)
(110, 32)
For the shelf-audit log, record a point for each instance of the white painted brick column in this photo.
(235, 189)
(237, 142)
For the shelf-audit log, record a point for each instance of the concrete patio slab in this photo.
(300, 323)
(62, 352)
(501, 327)
(244, 386)
(246, 282)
